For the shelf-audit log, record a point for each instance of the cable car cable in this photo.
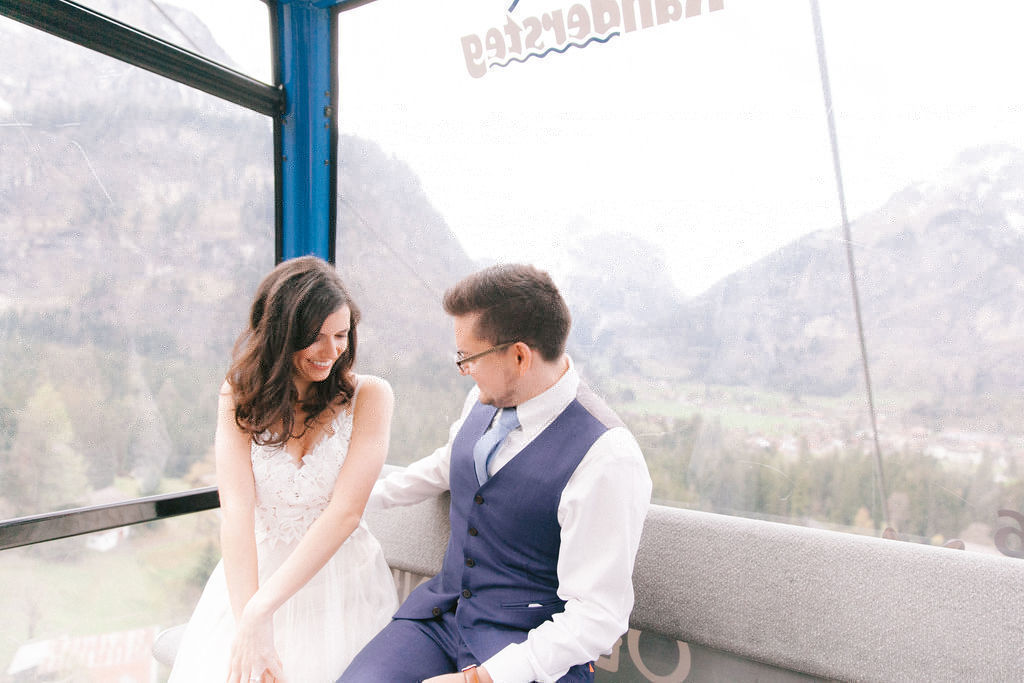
(819, 40)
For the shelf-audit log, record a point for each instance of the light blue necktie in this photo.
(488, 444)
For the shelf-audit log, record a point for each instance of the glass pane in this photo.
(136, 222)
(670, 163)
(235, 33)
(141, 580)
(932, 152)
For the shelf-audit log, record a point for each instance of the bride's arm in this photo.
(237, 491)
(368, 448)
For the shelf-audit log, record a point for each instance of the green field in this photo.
(65, 588)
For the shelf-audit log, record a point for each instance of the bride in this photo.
(300, 441)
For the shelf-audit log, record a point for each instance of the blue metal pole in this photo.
(307, 130)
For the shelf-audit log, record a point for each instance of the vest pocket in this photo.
(530, 615)
(533, 605)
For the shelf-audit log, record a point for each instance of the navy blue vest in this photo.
(500, 568)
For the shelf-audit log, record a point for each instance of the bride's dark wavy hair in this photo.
(287, 313)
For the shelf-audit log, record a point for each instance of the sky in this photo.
(704, 138)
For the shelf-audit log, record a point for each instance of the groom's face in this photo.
(494, 374)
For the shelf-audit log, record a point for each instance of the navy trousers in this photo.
(411, 650)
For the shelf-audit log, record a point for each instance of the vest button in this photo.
(436, 611)
(478, 499)
(470, 562)
(467, 593)
(473, 531)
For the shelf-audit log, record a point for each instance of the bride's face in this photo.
(314, 363)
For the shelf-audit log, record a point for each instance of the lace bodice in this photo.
(289, 496)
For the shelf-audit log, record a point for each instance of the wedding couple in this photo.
(548, 497)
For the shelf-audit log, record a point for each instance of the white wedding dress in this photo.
(320, 629)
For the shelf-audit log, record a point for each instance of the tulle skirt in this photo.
(317, 631)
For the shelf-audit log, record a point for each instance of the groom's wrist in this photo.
(476, 674)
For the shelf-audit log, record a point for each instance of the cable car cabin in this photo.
(794, 267)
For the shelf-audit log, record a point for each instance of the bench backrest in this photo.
(828, 604)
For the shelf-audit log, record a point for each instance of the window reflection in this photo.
(693, 229)
(133, 230)
(677, 179)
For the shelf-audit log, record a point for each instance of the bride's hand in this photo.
(253, 655)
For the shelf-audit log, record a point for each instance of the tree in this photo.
(43, 472)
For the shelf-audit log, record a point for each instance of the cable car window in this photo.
(91, 606)
(794, 263)
(138, 216)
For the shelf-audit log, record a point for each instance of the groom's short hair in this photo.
(516, 302)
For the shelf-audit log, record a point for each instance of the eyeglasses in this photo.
(462, 361)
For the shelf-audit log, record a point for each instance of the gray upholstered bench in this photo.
(786, 602)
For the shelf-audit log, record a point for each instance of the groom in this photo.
(548, 496)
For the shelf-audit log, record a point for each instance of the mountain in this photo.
(174, 189)
(622, 301)
(940, 282)
(397, 254)
(134, 232)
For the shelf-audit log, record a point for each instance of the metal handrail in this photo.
(113, 38)
(51, 526)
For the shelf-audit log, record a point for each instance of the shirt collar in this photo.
(538, 412)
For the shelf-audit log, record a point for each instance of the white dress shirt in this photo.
(601, 514)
